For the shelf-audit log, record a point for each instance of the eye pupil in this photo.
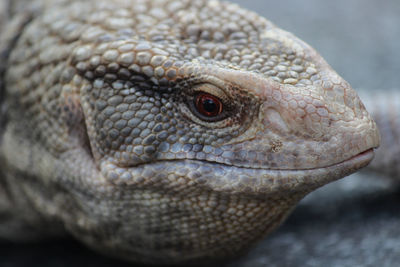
(208, 105)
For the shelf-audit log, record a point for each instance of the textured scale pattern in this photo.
(103, 138)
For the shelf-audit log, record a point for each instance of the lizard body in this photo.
(165, 131)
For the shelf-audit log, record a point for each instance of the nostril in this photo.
(274, 120)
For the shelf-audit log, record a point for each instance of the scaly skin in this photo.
(103, 138)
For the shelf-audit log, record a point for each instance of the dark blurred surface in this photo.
(353, 222)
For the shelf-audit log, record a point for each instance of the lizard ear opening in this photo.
(86, 141)
(74, 119)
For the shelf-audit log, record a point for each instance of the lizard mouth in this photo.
(227, 178)
(362, 158)
(365, 156)
(305, 180)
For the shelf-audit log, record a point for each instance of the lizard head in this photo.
(262, 134)
(179, 130)
(254, 111)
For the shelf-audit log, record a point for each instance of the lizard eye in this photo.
(208, 105)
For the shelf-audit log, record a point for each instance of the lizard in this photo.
(165, 132)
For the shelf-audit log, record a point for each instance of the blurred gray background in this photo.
(360, 39)
(353, 222)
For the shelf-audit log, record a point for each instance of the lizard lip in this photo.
(361, 159)
(227, 178)
(366, 156)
